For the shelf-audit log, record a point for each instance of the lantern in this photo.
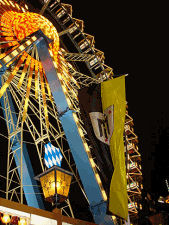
(22, 221)
(6, 218)
(55, 183)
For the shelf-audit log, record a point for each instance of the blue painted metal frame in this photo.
(98, 206)
(29, 184)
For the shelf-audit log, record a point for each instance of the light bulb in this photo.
(6, 218)
(22, 221)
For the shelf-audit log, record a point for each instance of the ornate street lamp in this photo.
(55, 183)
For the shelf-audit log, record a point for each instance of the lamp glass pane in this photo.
(63, 183)
(48, 184)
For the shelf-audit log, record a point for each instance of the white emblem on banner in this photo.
(103, 124)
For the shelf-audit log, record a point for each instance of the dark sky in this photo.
(132, 36)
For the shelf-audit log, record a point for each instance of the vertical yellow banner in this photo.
(113, 94)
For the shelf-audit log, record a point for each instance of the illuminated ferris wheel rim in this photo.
(15, 27)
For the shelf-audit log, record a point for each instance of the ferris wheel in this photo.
(40, 79)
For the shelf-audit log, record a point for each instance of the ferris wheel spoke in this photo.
(24, 72)
(11, 76)
(28, 90)
(36, 79)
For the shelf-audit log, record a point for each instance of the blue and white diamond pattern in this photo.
(53, 156)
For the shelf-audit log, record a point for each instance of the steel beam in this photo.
(29, 184)
(97, 204)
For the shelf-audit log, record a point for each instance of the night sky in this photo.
(132, 36)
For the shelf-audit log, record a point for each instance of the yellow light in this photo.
(59, 75)
(23, 9)
(6, 218)
(21, 48)
(167, 200)
(28, 90)
(7, 2)
(86, 147)
(55, 182)
(25, 108)
(7, 59)
(33, 38)
(64, 89)
(48, 184)
(36, 79)
(104, 195)
(75, 117)
(28, 42)
(22, 221)
(14, 53)
(98, 178)
(69, 102)
(12, 3)
(24, 72)
(3, 89)
(63, 183)
(92, 162)
(50, 51)
(80, 132)
(58, 185)
(17, 6)
(26, 6)
(2, 2)
(55, 65)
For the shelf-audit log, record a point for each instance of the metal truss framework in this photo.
(14, 185)
(39, 137)
(134, 173)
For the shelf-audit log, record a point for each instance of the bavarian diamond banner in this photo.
(53, 156)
